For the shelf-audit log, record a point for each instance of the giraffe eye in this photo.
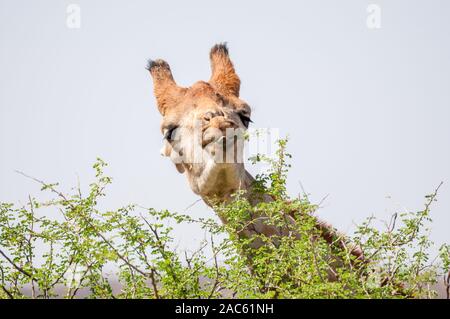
(170, 133)
(245, 119)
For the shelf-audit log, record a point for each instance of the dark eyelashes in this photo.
(170, 133)
(245, 119)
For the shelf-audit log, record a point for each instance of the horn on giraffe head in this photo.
(166, 91)
(223, 77)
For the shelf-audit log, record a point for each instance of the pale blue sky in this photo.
(367, 111)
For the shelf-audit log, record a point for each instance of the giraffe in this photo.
(195, 124)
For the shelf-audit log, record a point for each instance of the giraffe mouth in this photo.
(224, 149)
(226, 136)
(215, 141)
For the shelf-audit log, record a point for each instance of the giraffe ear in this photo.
(223, 77)
(166, 91)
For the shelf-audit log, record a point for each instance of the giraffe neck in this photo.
(260, 227)
(245, 184)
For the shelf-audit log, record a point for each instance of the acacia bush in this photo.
(68, 247)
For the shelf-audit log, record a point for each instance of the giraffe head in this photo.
(203, 125)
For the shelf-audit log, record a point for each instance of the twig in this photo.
(20, 269)
(153, 280)
(30, 247)
(161, 247)
(447, 284)
(323, 200)
(10, 296)
(62, 196)
(191, 205)
(431, 199)
(216, 264)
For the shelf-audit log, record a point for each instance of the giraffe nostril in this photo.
(209, 115)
